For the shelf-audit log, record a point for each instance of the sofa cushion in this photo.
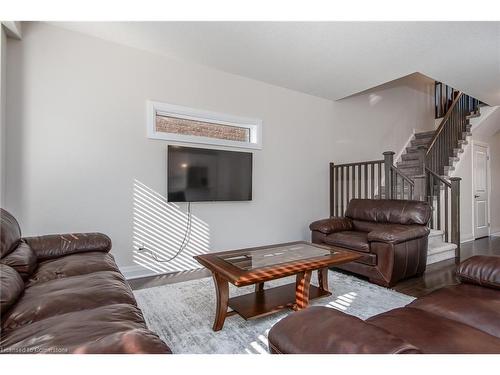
(10, 233)
(22, 259)
(322, 330)
(61, 296)
(368, 226)
(398, 233)
(349, 239)
(331, 225)
(480, 270)
(11, 287)
(389, 211)
(72, 265)
(432, 333)
(469, 304)
(57, 245)
(116, 328)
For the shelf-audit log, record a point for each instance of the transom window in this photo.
(183, 124)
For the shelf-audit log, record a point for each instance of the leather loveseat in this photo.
(390, 235)
(457, 319)
(65, 294)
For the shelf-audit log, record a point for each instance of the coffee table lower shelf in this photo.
(268, 301)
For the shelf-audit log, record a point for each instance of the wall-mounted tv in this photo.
(200, 175)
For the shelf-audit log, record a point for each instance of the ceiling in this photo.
(332, 60)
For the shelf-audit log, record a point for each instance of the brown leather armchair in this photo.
(390, 235)
(65, 294)
(457, 319)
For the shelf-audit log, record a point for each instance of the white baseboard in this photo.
(135, 272)
(467, 238)
(495, 233)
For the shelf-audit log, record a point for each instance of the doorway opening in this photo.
(481, 189)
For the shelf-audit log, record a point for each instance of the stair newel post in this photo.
(388, 163)
(455, 213)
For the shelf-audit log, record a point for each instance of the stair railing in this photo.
(444, 196)
(402, 186)
(449, 133)
(367, 180)
(381, 179)
(443, 98)
(354, 180)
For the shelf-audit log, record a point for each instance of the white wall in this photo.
(3, 100)
(78, 158)
(463, 169)
(487, 133)
(382, 119)
(495, 183)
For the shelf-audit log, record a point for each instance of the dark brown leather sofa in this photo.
(65, 294)
(458, 319)
(391, 236)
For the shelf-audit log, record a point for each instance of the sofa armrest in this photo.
(58, 245)
(323, 330)
(398, 233)
(331, 225)
(480, 270)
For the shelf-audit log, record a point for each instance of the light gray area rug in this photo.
(182, 314)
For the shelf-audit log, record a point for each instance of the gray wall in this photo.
(78, 158)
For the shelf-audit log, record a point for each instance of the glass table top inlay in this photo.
(270, 256)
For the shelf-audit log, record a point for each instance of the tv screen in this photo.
(197, 175)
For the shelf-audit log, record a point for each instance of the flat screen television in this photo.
(201, 175)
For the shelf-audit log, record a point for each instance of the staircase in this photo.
(410, 164)
(438, 249)
(423, 173)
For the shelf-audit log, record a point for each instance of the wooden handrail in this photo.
(402, 175)
(441, 179)
(353, 180)
(443, 122)
(359, 163)
(380, 179)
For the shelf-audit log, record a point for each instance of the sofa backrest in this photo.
(389, 211)
(10, 233)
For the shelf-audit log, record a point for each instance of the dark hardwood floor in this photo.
(436, 276)
(442, 273)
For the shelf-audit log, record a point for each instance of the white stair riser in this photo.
(437, 249)
(435, 241)
(434, 258)
(440, 249)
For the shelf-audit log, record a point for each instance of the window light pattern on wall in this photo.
(182, 124)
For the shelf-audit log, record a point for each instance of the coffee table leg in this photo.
(222, 290)
(259, 287)
(323, 279)
(302, 290)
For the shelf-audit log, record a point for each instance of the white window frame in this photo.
(164, 109)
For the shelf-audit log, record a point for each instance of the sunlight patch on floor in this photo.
(343, 301)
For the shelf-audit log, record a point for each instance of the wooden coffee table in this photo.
(260, 264)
